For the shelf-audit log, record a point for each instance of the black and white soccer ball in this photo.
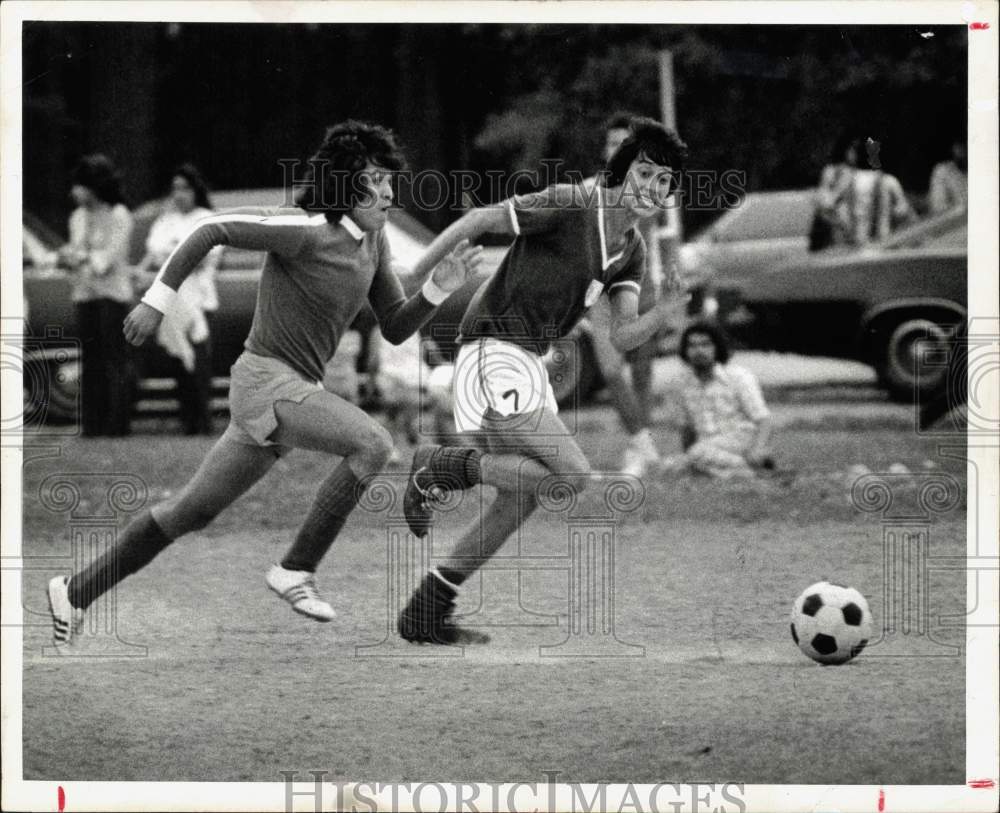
(831, 623)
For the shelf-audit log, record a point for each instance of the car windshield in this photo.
(949, 229)
(765, 216)
(46, 237)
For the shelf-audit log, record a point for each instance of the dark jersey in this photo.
(316, 278)
(558, 265)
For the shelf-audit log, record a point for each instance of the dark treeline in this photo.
(235, 99)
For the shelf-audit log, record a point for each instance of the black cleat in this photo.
(426, 619)
(421, 494)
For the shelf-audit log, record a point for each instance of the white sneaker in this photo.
(298, 588)
(633, 462)
(640, 454)
(67, 620)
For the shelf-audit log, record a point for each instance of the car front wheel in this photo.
(913, 358)
(51, 390)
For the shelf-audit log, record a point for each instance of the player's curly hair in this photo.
(619, 120)
(98, 173)
(332, 184)
(651, 140)
(714, 332)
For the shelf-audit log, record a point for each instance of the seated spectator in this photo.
(949, 185)
(726, 420)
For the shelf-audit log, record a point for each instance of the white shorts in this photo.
(499, 377)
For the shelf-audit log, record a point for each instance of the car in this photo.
(767, 229)
(874, 304)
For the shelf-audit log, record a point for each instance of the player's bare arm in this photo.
(470, 226)
(629, 329)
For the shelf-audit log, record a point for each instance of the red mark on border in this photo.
(981, 783)
(62, 799)
(979, 26)
(881, 800)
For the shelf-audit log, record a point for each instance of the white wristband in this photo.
(160, 296)
(434, 294)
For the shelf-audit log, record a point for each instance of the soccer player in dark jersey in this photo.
(571, 244)
(324, 260)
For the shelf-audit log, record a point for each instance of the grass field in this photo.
(236, 687)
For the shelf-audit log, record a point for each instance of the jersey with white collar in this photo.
(317, 276)
(560, 261)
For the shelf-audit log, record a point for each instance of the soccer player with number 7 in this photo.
(571, 243)
(324, 260)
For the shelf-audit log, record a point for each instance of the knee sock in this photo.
(335, 500)
(453, 577)
(462, 464)
(140, 542)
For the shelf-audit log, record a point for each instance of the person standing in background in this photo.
(185, 333)
(877, 203)
(858, 202)
(97, 253)
(949, 184)
(632, 399)
(831, 222)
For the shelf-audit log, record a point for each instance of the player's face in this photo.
(613, 140)
(372, 211)
(647, 187)
(182, 194)
(700, 351)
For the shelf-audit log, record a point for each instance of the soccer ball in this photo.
(831, 623)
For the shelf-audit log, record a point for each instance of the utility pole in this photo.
(669, 234)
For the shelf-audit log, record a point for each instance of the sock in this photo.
(460, 463)
(452, 577)
(334, 501)
(138, 546)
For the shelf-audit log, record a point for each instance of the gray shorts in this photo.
(256, 384)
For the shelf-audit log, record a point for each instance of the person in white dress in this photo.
(185, 332)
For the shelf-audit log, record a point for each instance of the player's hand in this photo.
(672, 286)
(671, 311)
(141, 323)
(72, 257)
(452, 272)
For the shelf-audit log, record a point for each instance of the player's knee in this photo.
(575, 474)
(374, 447)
